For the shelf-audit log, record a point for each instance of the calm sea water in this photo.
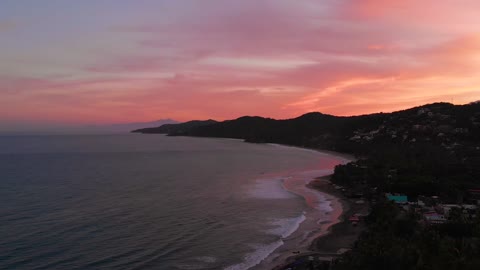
(146, 201)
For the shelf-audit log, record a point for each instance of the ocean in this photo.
(136, 201)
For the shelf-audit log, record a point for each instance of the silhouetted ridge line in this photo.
(437, 123)
(175, 128)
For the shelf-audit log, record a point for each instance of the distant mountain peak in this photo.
(177, 128)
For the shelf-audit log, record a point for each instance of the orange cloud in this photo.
(222, 62)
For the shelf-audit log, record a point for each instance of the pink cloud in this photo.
(268, 58)
(411, 11)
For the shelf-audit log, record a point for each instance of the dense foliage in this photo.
(398, 241)
(439, 124)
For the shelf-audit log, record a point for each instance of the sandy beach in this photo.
(327, 232)
(335, 235)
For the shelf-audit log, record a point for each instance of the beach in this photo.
(334, 236)
(326, 231)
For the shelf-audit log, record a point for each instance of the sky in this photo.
(116, 61)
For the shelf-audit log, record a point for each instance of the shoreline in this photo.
(344, 156)
(330, 234)
(288, 257)
(333, 236)
(342, 234)
(338, 235)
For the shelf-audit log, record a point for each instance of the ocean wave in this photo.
(190, 267)
(206, 259)
(286, 226)
(324, 205)
(270, 189)
(201, 262)
(261, 253)
(296, 148)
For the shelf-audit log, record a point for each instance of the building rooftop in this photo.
(398, 198)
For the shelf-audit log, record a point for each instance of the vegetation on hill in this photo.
(397, 240)
(451, 126)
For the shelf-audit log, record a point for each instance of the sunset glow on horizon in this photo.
(118, 61)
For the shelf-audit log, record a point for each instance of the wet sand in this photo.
(336, 234)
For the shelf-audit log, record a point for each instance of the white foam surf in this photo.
(190, 267)
(286, 226)
(296, 148)
(269, 189)
(206, 259)
(254, 258)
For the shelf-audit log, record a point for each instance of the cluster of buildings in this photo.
(423, 125)
(433, 211)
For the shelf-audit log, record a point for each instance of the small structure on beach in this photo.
(434, 218)
(360, 202)
(466, 209)
(354, 218)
